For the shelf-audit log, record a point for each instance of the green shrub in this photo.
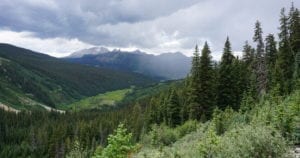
(208, 146)
(245, 141)
(77, 151)
(187, 127)
(119, 144)
(162, 135)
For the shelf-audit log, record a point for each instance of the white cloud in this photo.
(53, 46)
(154, 26)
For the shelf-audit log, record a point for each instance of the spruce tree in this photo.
(194, 83)
(285, 62)
(207, 84)
(226, 81)
(294, 30)
(294, 33)
(174, 109)
(248, 54)
(271, 51)
(271, 56)
(241, 81)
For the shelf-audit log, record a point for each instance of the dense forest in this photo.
(245, 106)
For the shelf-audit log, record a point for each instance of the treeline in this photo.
(268, 67)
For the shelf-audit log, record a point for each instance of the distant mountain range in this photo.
(29, 79)
(165, 66)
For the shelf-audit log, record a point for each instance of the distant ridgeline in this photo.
(28, 78)
(165, 66)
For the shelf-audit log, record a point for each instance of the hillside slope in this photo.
(52, 81)
(270, 129)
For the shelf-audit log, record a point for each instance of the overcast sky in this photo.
(60, 27)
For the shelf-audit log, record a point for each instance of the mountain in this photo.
(93, 50)
(164, 66)
(29, 78)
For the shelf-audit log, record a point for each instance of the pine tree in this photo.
(259, 40)
(271, 51)
(194, 83)
(248, 67)
(294, 29)
(248, 54)
(260, 69)
(285, 62)
(226, 81)
(241, 81)
(294, 33)
(174, 108)
(271, 56)
(207, 83)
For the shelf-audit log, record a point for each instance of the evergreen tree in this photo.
(285, 62)
(207, 84)
(174, 108)
(248, 54)
(248, 67)
(297, 70)
(294, 29)
(226, 81)
(271, 56)
(194, 83)
(271, 51)
(260, 69)
(241, 81)
(259, 40)
(294, 33)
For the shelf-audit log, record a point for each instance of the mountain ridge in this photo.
(165, 66)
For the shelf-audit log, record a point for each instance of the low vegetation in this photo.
(268, 130)
(103, 101)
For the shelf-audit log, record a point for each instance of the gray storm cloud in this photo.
(158, 25)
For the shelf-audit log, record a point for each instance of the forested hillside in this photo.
(245, 106)
(27, 76)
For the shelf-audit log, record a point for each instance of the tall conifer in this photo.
(226, 79)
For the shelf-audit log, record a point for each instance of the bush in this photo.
(119, 144)
(245, 141)
(162, 135)
(208, 146)
(187, 127)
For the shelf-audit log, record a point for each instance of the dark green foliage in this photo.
(285, 63)
(271, 56)
(207, 84)
(248, 54)
(271, 51)
(44, 134)
(294, 29)
(259, 40)
(193, 86)
(173, 109)
(226, 79)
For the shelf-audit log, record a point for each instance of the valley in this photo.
(113, 79)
